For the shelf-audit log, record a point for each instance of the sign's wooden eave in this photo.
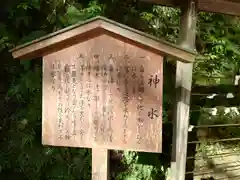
(55, 33)
(111, 26)
(228, 7)
(148, 40)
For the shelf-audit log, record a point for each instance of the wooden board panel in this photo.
(103, 93)
(183, 85)
(220, 6)
(100, 164)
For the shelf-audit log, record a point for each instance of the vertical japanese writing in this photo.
(104, 74)
(134, 76)
(74, 98)
(104, 89)
(140, 107)
(82, 65)
(153, 113)
(96, 97)
(97, 65)
(110, 116)
(81, 97)
(89, 83)
(59, 101)
(110, 100)
(153, 80)
(95, 125)
(111, 69)
(53, 76)
(126, 99)
(118, 79)
(103, 97)
(67, 110)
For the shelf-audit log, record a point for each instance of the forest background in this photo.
(22, 156)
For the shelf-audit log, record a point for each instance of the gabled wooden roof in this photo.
(230, 7)
(51, 42)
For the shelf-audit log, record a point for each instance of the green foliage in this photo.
(221, 117)
(139, 167)
(218, 45)
(4, 38)
(22, 154)
(75, 13)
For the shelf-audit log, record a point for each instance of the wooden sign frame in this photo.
(111, 94)
(61, 44)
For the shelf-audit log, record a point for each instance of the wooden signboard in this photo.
(103, 93)
(102, 88)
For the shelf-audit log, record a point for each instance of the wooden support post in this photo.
(183, 91)
(100, 164)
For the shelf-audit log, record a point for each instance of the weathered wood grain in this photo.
(100, 164)
(92, 127)
(183, 92)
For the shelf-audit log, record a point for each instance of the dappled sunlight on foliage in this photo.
(22, 155)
